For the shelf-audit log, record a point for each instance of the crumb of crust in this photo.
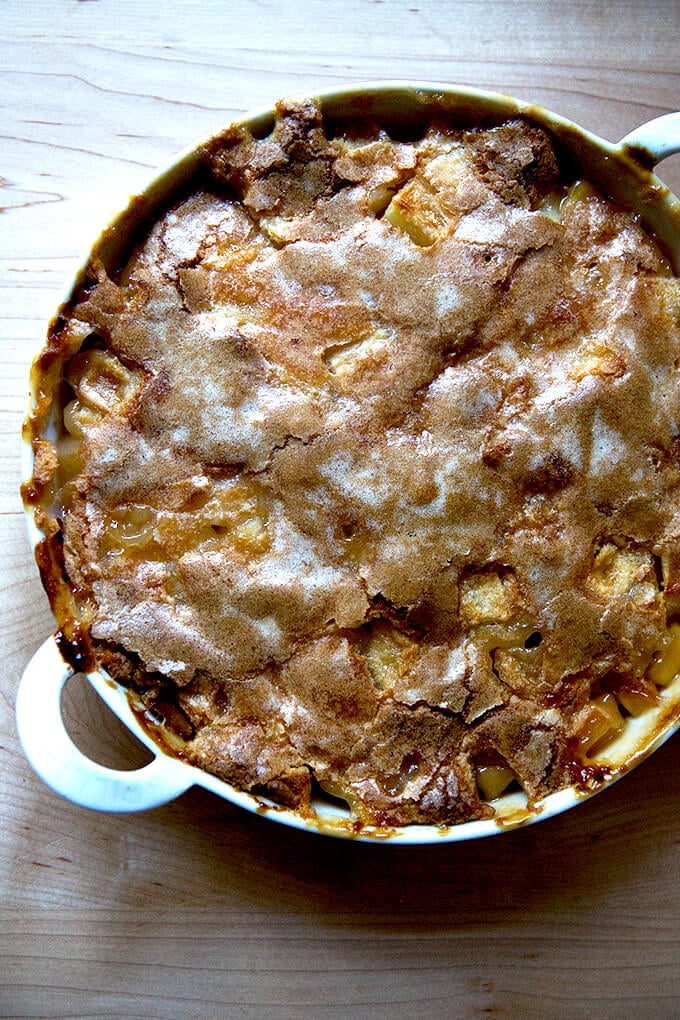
(377, 485)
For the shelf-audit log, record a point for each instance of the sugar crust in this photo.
(437, 442)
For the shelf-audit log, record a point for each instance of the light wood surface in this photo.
(198, 909)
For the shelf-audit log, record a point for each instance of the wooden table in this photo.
(198, 909)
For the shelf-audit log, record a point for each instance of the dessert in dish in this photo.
(368, 472)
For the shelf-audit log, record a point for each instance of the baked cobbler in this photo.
(369, 470)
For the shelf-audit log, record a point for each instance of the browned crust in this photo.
(404, 753)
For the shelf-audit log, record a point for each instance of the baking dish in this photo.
(621, 171)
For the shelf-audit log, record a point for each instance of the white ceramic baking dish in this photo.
(622, 170)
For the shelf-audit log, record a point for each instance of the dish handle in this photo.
(64, 767)
(655, 140)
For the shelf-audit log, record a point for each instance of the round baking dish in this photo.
(624, 172)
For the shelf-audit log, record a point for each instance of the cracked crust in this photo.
(380, 483)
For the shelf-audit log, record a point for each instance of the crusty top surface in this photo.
(379, 412)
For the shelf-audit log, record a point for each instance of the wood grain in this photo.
(197, 909)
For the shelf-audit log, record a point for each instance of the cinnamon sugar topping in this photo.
(374, 466)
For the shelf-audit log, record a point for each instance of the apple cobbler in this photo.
(369, 467)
